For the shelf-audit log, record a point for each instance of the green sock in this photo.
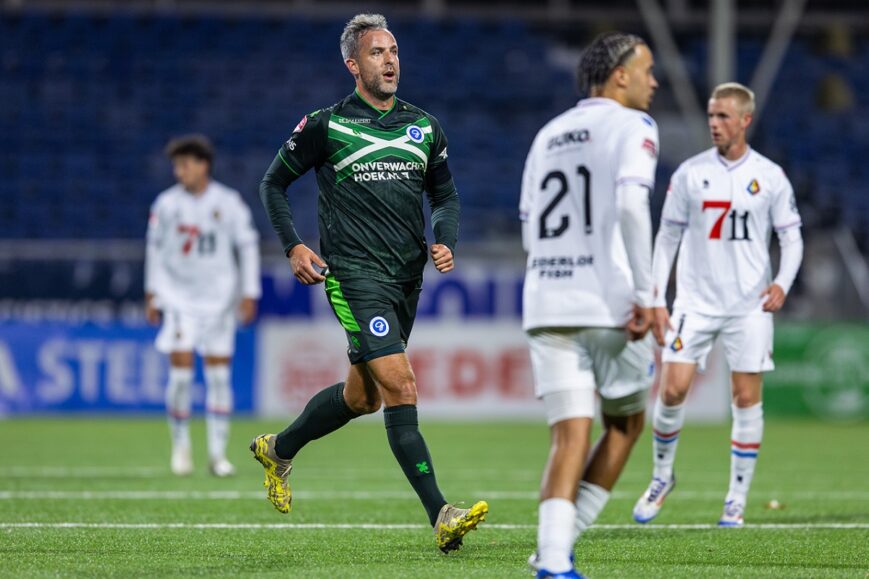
(326, 412)
(408, 446)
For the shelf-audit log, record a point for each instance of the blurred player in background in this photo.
(588, 285)
(721, 208)
(374, 156)
(195, 230)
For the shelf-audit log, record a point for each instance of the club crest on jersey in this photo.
(415, 134)
(301, 125)
(216, 214)
(378, 326)
(649, 146)
(753, 187)
(677, 344)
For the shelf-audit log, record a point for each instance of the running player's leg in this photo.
(326, 412)
(563, 378)
(397, 383)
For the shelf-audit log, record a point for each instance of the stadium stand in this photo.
(90, 100)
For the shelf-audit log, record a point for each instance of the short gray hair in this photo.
(607, 52)
(356, 28)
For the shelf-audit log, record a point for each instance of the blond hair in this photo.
(744, 96)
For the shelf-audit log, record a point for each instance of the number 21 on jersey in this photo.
(547, 231)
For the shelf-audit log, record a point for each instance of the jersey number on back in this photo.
(733, 217)
(547, 232)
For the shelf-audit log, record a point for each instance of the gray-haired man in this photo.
(374, 156)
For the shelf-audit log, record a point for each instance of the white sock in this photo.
(218, 407)
(556, 534)
(667, 422)
(590, 501)
(178, 404)
(746, 436)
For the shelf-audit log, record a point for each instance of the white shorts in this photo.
(747, 340)
(207, 335)
(569, 364)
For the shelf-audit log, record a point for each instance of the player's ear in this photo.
(747, 118)
(352, 66)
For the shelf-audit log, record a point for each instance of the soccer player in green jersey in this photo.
(374, 155)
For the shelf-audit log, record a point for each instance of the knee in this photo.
(673, 395)
(402, 391)
(365, 406)
(745, 399)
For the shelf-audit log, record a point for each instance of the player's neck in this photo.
(198, 188)
(734, 152)
(373, 101)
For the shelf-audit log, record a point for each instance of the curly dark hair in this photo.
(606, 52)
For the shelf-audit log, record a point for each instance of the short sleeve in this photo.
(638, 155)
(675, 210)
(783, 211)
(526, 196)
(306, 147)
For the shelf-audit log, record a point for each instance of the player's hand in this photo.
(442, 257)
(306, 265)
(775, 298)
(640, 322)
(661, 325)
(247, 310)
(152, 314)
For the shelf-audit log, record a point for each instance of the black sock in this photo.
(326, 412)
(408, 446)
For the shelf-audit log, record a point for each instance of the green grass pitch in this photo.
(94, 497)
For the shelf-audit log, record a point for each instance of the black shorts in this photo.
(377, 316)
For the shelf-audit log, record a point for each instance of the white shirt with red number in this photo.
(190, 262)
(728, 210)
(578, 273)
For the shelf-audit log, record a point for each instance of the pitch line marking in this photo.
(399, 526)
(234, 495)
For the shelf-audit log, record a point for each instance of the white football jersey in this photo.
(191, 265)
(577, 273)
(728, 210)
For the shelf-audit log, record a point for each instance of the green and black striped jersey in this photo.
(372, 168)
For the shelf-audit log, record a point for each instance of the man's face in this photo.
(727, 122)
(190, 171)
(376, 63)
(640, 79)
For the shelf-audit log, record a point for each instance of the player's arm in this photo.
(247, 245)
(154, 273)
(444, 201)
(526, 197)
(674, 220)
(786, 221)
(635, 179)
(305, 149)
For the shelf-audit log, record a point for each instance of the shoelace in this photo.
(658, 486)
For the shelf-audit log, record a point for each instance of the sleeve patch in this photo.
(650, 147)
(301, 125)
